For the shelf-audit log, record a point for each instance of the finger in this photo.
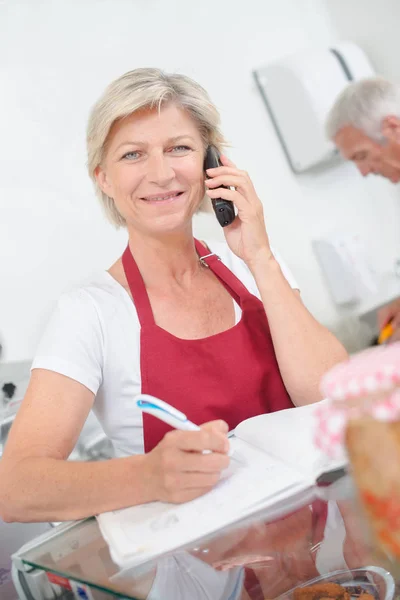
(383, 317)
(198, 441)
(387, 313)
(226, 161)
(236, 181)
(194, 462)
(214, 171)
(179, 482)
(385, 320)
(233, 195)
(200, 480)
(217, 425)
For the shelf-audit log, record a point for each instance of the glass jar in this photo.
(364, 416)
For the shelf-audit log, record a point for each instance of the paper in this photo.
(142, 532)
(280, 461)
(289, 436)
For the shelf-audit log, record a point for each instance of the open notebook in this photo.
(277, 460)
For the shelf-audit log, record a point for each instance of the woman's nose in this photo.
(159, 170)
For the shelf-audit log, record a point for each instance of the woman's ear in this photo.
(102, 181)
(390, 128)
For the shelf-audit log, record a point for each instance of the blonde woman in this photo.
(219, 330)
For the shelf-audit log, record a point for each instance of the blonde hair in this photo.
(146, 88)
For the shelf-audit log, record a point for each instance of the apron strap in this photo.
(233, 285)
(139, 293)
(138, 289)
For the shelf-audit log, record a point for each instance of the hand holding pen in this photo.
(179, 468)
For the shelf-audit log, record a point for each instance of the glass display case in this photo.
(273, 555)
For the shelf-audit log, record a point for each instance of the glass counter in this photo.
(318, 534)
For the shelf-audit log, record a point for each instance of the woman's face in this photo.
(153, 169)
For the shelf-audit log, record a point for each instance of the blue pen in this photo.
(167, 413)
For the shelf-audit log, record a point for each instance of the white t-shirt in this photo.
(93, 337)
(182, 576)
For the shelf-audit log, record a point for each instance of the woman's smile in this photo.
(163, 197)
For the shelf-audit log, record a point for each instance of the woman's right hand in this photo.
(178, 471)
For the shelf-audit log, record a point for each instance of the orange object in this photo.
(386, 333)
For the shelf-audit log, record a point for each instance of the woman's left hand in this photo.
(246, 236)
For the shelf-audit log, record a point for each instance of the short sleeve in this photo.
(72, 343)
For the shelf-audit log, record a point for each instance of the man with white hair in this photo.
(364, 123)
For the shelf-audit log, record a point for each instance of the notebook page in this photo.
(139, 533)
(289, 436)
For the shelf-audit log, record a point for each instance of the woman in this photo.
(219, 339)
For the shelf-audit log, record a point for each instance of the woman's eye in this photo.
(132, 155)
(178, 149)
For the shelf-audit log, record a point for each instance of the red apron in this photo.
(233, 375)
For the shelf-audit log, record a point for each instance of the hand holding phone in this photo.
(247, 236)
(224, 209)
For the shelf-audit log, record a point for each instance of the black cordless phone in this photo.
(224, 209)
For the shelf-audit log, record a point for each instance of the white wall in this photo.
(373, 25)
(56, 58)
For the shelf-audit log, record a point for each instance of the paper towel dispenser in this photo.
(299, 91)
(345, 264)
